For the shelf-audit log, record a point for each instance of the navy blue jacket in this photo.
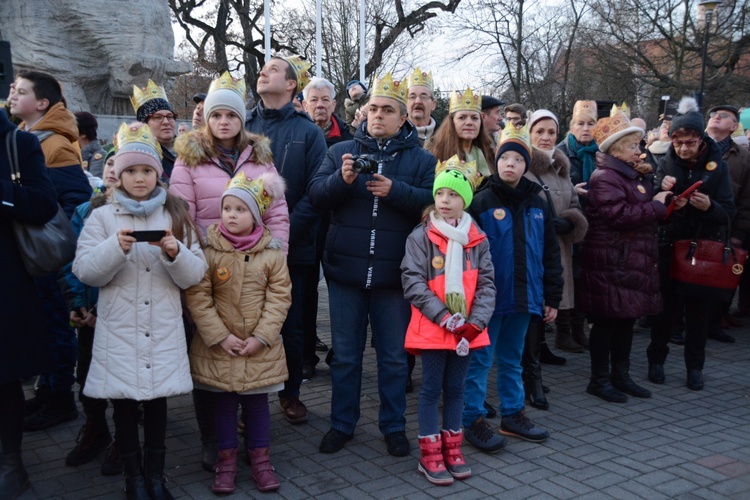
(24, 339)
(367, 237)
(523, 245)
(298, 148)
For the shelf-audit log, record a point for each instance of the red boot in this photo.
(431, 464)
(454, 459)
(262, 470)
(226, 471)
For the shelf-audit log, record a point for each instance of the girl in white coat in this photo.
(139, 353)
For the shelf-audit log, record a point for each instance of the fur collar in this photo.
(540, 163)
(191, 150)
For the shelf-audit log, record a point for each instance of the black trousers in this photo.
(126, 424)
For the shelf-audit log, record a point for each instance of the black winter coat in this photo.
(24, 342)
(367, 236)
(619, 275)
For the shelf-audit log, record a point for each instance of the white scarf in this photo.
(458, 237)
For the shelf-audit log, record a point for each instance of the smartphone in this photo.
(148, 235)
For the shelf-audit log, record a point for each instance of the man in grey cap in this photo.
(198, 120)
(492, 117)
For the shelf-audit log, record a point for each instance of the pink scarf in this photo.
(242, 243)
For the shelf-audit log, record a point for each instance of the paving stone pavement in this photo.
(678, 444)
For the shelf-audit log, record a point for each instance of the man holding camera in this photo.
(375, 188)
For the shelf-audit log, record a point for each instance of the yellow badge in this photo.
(641, 189)
(711, 166)
(499, 214)
(222, 273)
(98, 156)
(643, 156)
(438, 262)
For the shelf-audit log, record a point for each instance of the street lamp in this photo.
(708, 8)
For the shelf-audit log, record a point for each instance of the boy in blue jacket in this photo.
(528, 278)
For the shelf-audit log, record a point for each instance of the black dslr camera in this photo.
(365, 164)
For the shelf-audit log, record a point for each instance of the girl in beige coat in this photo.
(239, 308)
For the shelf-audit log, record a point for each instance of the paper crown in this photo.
(418, 77)
(301, 69)
(518, 135)
(608, 130)
(468, 169)
(388, 87)
(585, 109)
(624, 108)
(254, 188)
(137, 136)
(225, 81)
(142, 96)
(465, 102)
(740, 130)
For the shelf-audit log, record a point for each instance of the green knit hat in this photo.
(455, 180)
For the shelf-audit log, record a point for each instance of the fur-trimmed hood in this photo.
(540, 162)
(191, 148)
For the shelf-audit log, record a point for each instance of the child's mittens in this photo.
(452, 323)
(468, 331)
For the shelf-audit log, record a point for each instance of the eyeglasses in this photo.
(689, 143)
(419, 97)
(722, 116)
(162, 117)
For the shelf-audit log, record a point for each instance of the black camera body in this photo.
(365, 164)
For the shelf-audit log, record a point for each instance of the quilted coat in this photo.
(139, 346)
(201, 182)
(247, 294)
(423, 279)
(619, 254)
(555, 180)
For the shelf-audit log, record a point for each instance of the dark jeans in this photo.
(310, 314)
(64, 351)
(292, 332)
(154, 424)
(257, 420)
(93, 408)
(442, 371)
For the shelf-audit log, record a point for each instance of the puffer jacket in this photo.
(738, 163)
(554, 174)
(619, 255)
(139, 347)
(298, 148)
(523, 246)
(201, 182)
(247, 294)
(423, 280)
(367, 234)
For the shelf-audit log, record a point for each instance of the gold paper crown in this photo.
(468, 169)
(225, 81)
(608, 130)
(135, 135)
(142, 96)
(518, 135)
(254, 188)
(388, 87)
(585, 109)
(301, 69)
(418, 77)
(465, 102)
(740, 130)
(624, 108)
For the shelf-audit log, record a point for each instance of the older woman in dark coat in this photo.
(619, 254)
(23, 338)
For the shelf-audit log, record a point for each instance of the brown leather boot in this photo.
(226, 471)
(578, 328)
(262, 470)
(564, 337)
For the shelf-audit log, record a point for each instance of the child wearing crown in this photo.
(139, 354)
(239, 308)
(449, 279)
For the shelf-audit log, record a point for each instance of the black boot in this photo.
(14, 479)
(204, 403)
(93, 437)
(578, 328)
(40, 399)
(547, 357)
(154, 472)
(135, 483)
(564, 336)
(61, 407)
(532, 367)
(622, 382)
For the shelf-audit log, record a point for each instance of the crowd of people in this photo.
(458, 243)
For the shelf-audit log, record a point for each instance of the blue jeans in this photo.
(507, 335)
(389, 316)
(442, 371)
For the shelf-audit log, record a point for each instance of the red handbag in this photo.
(707, 268)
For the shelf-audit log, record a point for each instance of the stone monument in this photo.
(98, 49)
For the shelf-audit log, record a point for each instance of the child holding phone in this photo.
(139, 353)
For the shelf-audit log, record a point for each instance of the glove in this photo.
(450, 323)
(562, 226)
(469, 331)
